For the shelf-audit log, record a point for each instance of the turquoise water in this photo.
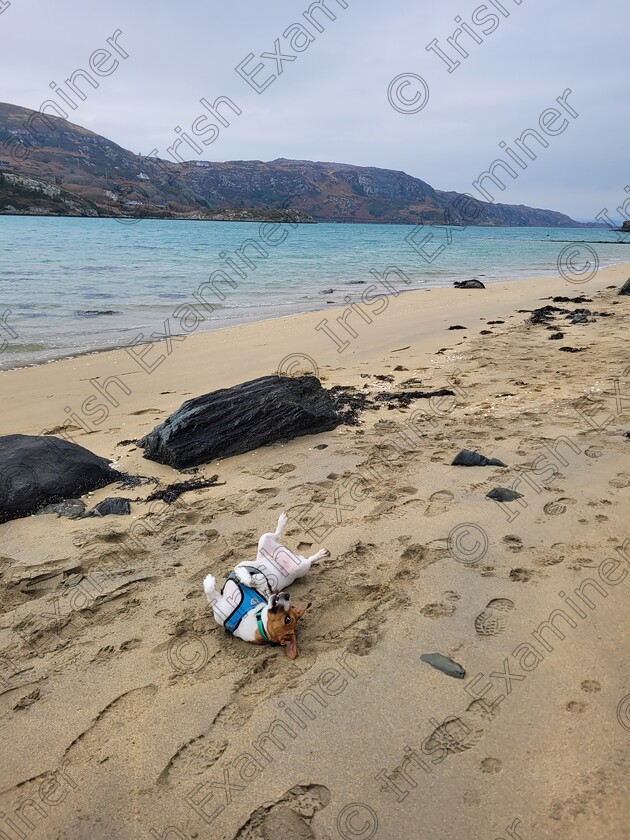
(75, 285)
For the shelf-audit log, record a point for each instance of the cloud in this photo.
(331, 102)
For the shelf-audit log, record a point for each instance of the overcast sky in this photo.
(331, 103)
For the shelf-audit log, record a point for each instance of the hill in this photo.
(104, 176)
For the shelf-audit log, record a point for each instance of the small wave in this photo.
(27, 347)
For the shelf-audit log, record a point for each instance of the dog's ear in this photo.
(299, 611)
(290, 643)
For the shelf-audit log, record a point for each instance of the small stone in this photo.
(503, 494)
(444, 664)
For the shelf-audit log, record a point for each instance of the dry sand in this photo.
(127, 713)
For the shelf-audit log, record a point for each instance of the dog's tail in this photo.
(209, 587)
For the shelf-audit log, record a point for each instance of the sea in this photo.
(75, 285)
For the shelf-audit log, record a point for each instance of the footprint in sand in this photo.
(590, 686)
(558, 507)
(576, 707)
(491, 765)
(593, 452)
(521, 575)
(289, 818)
(109, 724)
(438, 610)
(439, 503)
(492, 620)
(582, 563)
(271, 473)
(513, 543)
(455, 735)
(194, 757)
(620, 481)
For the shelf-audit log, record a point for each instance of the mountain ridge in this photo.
(102, 174)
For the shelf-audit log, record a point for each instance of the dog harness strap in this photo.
(261, 629)
(254, 571)
(250, 599)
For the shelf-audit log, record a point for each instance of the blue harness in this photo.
(250, 599)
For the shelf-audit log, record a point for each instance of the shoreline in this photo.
(262, 347)
(314, 220)
(321, 308)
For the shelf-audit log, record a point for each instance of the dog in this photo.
(253, 604)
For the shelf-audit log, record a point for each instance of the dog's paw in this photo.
(282, 524)
(321, 554)
(245, 578)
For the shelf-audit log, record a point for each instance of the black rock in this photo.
(556, 336)
(467, 458)
(71, 508)
(236, 420)
(580, 316)
(544, 314)
(503, 494)
(458, 327)
(625, 289)
(469, 284)
(41, 470)
(444, 664)
(485, 332)
(573, 349)
(112, 506)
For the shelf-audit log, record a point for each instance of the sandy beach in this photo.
(131, 714)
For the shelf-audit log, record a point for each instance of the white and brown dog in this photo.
(253, 604)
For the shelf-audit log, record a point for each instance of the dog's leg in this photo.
(286, 565)
(209, 587)
(282, 524)
(306, 562)
(283, 565)
(319, 555)
(269, 544)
